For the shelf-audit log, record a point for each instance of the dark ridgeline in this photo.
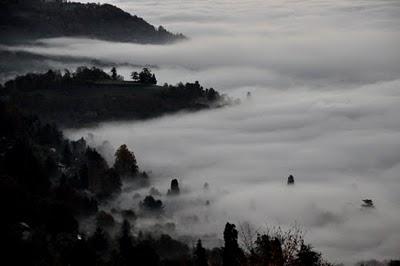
(24, 20)
(91, 95)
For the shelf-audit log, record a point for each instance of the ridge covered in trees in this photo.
(34, 19)
(90, 95)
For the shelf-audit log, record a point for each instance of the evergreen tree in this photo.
(125, 161)
(200, 256)
(232, 254)
(174, 190)
(126, 244)
(114, 74)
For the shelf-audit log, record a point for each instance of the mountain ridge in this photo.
(35, 19)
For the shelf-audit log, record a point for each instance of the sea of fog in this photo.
(325, 83)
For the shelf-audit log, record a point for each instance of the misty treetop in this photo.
(125, 161)
(144, 77)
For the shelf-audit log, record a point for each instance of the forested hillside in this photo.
(33, 19)
(91, 95)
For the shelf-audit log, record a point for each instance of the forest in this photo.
(27, 20)
(90, 95)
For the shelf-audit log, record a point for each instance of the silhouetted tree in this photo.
(114, 74)
(200, 256)
(290, 180)
(232, 254)
(146, 77)
(125, 162)
(151, 204)
(126, 244)
(174, 190)
(307, 257)
(135, 76)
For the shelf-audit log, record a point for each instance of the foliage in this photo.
(144, 77)
(151, 204)
(125, 162)
(232, 253)
(90, 95)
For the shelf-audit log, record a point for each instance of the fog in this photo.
(324, 78)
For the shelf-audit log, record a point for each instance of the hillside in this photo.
(33, 19)
(90, 95)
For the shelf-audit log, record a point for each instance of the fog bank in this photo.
(341, 147)
(324, 78)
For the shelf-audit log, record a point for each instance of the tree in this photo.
(135, 76)
(308, 257)
(200, 256)
(114, 74)
(125, 242)
(146, 77)
(153, 79)
(151, 204)
(125, 162)
(290, 180)
(97, 168)
(232, 254)
(174, 190)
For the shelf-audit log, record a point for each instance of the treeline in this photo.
(48, 183)
(22, 20)
(90, 95)
(55, 79)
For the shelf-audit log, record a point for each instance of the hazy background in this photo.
(324, 77)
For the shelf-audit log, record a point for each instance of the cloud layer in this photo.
(324, 77)
(341, 147)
